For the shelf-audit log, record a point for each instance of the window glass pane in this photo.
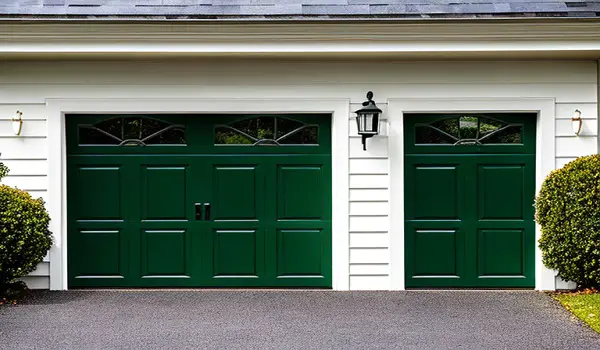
(285, 126)
(140, 128)
(449, 126)
(266, 128)
(428, 135)
(92, 136)
(511, 134)
(227, 136)
(247, 126)
(112, 126)
(468, 127)
(132, 129)
(259, 127)
(309, 135)
(488, 125)
(172, 136)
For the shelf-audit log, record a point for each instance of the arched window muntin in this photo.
(138, 130)
(466, 129)
(266, 130)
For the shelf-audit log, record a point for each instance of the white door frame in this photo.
(545, 162)
(57, 181)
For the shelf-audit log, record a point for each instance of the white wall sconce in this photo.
(367, 119)
(17, 123)
(576, 122)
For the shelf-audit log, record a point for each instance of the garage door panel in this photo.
(437, 253)
(236, 189)
(236, 253)
(435, 191)
(500, 253)
(100, 254)
(98, 192)
(501, 191)
(298, 190)
(165, 253)
(163, 193)
(300, 252)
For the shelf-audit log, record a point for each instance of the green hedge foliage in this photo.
(24, 235)
(568, 211)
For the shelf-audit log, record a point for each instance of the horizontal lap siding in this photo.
(369, 209)
(568, 145)
(25, 156)
(573, 85)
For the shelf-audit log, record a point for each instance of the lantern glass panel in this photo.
(368, 122)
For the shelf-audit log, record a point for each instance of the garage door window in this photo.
(266, 130)
(132, 131)
(468, 130)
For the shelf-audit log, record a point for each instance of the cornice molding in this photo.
(388, 36)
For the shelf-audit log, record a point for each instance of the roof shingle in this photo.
(299, 9)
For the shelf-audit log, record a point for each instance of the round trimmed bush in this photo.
(24, 235)
(568, 210)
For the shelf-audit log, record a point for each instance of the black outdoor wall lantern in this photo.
(367, 119)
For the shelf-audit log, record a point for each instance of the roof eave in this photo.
(544, 16)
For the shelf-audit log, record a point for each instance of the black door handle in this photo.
(198, 211)
(207, 211)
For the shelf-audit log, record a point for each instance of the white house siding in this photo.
(26, 85)
(25, 155)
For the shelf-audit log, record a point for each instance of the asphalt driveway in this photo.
(291, 320)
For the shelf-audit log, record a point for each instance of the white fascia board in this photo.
(299, 37)
(299, 47)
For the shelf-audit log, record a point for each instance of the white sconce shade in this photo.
(17, 123)
(576, 122)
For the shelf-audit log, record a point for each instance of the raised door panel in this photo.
(300, 243)
(98, 193)
(300, 253)
(435, 224)
(500, 253)
(299, 191)
(436, 253)
(435, 192)
(503, 234)
(235, 192)
(164, 192)
(236, 254)
(99, 254)
(500, 191)
(98, 230)
(165, 254)
(234, 227)
(164, 234)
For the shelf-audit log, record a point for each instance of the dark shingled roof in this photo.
(296, 9)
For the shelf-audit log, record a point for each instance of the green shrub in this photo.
(568, 211)
(24, 235)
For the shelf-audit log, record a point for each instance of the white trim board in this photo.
(404, 39)
(545, 162)
(57, 182)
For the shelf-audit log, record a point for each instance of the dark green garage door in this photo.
(199, 200)
(469, 189)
